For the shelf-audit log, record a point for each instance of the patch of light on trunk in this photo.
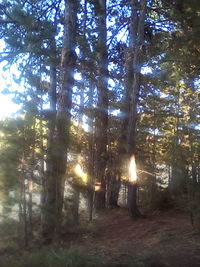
(97, 186)
(80, 173)
(132, 170)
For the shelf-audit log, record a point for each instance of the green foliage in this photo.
(50, 257)
(11, 152)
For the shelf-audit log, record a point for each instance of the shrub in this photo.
(48, 257)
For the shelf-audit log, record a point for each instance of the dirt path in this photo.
(162, 239)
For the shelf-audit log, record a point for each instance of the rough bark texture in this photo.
(90, 167)
(101, 122)
(56, 167)
(48, 221)
(133, 68)
(113, 178)
(132, 201)
(114, 190)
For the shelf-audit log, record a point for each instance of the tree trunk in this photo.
(25, 224)
(30, 208)
(42, 167)
(132, 201)
(56, 167)
(114, 190)
(49, 182)
(101, 122)
(90, 167)
(113, 179)
(133, 68)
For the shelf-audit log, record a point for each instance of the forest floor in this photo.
(160, 239)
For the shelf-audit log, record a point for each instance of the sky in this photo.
(7, 107)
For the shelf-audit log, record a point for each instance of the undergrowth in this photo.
(49, 257)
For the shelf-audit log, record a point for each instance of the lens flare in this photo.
(80, 173)
(132, 170)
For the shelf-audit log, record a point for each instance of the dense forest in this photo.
(107, 128)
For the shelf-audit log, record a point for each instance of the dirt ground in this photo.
(160, 239)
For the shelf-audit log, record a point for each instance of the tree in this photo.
(132, 84)
(101, 116)
(57, 167)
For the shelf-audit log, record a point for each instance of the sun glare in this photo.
(132, 170)
(7, 107)
(80, 173)
(97, 186)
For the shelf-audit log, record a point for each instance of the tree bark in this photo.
(48, 183)
(101, 122)
(113, 178)
(114, 190)
(133, 68)
(132, 201)
(60, 141)
(90, 167)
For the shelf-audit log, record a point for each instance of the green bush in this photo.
(48, 257)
